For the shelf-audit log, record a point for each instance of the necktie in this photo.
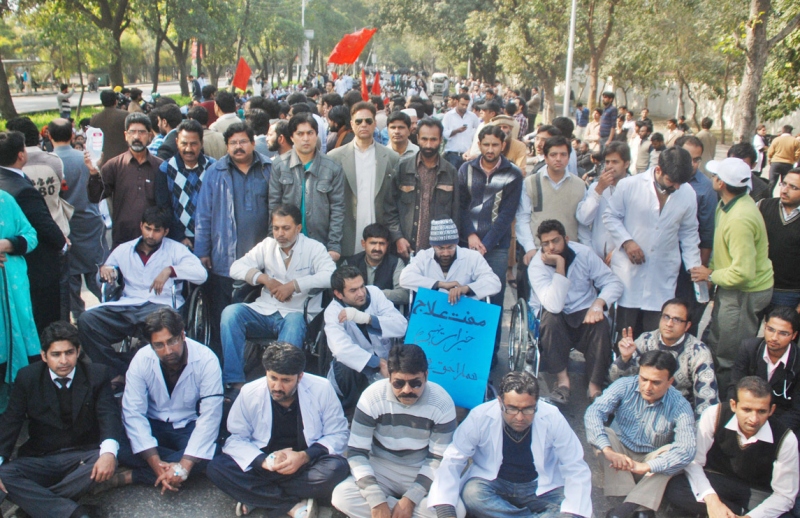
(63, 382)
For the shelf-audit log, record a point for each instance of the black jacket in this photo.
(785, 380)
(96, 415)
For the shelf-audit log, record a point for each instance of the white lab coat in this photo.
(557, 456)
(250, 419)
(139, 276)
(146, 397)
(468, 269)
(664, 237)
(591, 229)
(311, 266)
(346, 341)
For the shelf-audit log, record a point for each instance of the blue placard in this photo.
(458, 340)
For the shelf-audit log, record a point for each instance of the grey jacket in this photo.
(324, 195)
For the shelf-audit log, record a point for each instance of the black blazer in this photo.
(785, 380)
(96, 415)
(43, 260)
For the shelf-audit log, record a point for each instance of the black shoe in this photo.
(611, 514)
(644, 514)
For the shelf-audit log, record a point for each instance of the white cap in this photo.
(732, 171)
(411, 112)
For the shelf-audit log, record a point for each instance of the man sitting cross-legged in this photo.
(74, 429)
(746, 460)
(523, 454)
(288, 432)
(166, 384)
(360, 324)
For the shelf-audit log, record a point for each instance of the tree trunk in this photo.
(199, 58)
(115, 67)
(7, 109)
(157, 62)
(594, 72)
(724, 100)
(180, 57)
(549, 96)
(80, 75)
(756, 53)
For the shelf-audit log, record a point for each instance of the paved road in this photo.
(36, 103)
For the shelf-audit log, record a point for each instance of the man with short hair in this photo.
(398, 126)
(581, 120)
(172, 405)
(279, 140)
(695, 375)
(378, 267)
(450, 268)
(591, 229)
(746, 460)
(225, 108)
(652, 435)
(62, 100)
(652, 221)
(740, 267)
(543, 132)
(425, 188)
(129, 180)
(460, 125)
(289, 266)
(169, 117)
(178, 185)
(114, 123)
(572, 287)
(213, 141)
(709, 143)
(525, 459)
(747, 152)
(209, 93)
(488, 110)
(259, 121)
(774, 358)
(73, 428)
(330, 100)
(673, 133)
(608, 120)
(311, 181)
(288, 433)
(360, 324)
(657, 145)
(783, 234)
(401, 428)
(368, 168)
(644, 130)
(783, 153)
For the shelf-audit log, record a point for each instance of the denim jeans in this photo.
(240, 322)
(785, 298)
(492, 498)
(455, 158)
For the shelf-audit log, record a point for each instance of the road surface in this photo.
(37, 103)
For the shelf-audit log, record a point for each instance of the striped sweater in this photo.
(413, 436)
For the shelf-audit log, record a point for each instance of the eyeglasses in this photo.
(510, 410)
(675, 320)
(413, 383)
(172, 342)
(237, 143)
(782, 334)
(368, 120)
(790, 186)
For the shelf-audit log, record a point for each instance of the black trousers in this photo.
(560, 332)
(48, 486)
(45, 297)
(685, 290)
(218, 292)
(738, 496)
(351, 384)
(276, 493)
(639, 319)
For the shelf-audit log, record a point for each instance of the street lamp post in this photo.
(570, 52)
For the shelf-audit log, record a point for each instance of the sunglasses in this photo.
(369, 121)
(413, 383)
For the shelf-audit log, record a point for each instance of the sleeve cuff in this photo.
(374, 361)
(601, 442)
(445, 511)
(415, 493)
(109, 446)
(704, 494)
(258, 461)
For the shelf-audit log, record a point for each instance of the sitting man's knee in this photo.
(475, 492)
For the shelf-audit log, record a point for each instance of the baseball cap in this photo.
(732, 171)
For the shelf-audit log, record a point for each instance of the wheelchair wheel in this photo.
(518, 335)
(198, 320)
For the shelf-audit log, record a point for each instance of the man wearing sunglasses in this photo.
(401, 428)
(523, 453)
(368, 168)
(774, 359)
(695, 375)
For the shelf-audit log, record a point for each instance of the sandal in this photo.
(242, 510)
(560, 395)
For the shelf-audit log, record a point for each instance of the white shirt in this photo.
(469, 268)
(18, 171)
(665, 237)
(365, 192)
(223, 117)
(591, 229)
(578, 289)
(525, 208)
(784, 471)
(459, 143)
(772, 366)
(556, 185)
(311, 268)
(146, 397)
(139, 276)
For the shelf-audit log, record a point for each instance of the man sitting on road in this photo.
(652, 435)
(378, 267)
(523, 453)
(449, 268)
(288, 432)
(149, 267)
(565, 278)
(288, 266)
(400, 430)
(695, 375)
(360, 324)
(167, 385)
(746, 460)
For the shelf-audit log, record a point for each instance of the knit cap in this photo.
(443, 232)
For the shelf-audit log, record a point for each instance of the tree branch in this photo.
(790, 26)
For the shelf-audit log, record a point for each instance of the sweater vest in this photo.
(752, 463)
(784, 244)
(549, 203)
(384, 273)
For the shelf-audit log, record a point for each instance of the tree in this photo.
(598, 18)
(7, 109)
(780, 94)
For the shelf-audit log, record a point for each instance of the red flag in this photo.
(348, 49)
(376, 84)
(364, 90)
(242, 75)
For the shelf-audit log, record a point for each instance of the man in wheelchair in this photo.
(360, 323)
(565, 278)
(288, 266)
(147, 267)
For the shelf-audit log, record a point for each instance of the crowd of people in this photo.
(321, 213)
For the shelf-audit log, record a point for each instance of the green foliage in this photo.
(780, 94)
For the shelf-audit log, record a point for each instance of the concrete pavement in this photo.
(37, 103)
